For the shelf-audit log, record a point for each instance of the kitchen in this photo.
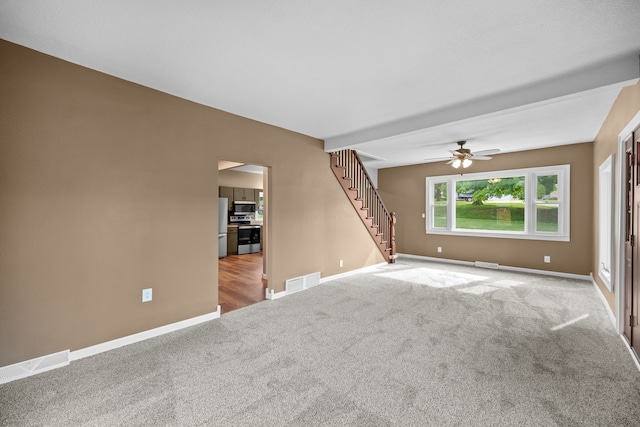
(241, 279)
(241, 214)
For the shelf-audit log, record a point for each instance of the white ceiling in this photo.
(401, 80)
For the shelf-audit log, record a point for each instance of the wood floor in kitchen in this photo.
(240, 281)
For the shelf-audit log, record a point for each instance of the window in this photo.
(605, 218)
(525, 203)
(439, 205)
(260, 207)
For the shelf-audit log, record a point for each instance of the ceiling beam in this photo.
(621, 70)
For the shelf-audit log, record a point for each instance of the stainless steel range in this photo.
(248, 234)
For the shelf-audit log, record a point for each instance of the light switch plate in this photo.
(147, 295)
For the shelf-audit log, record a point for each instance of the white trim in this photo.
(503, 267)
(634, 356)
(604, 302)
(270, 294)
(444, 260)
(606, 219)
(34, 366)
(57, 360)
(620, 201)
(630, 127)
(529, 203)
(141, 336)
(351, 273)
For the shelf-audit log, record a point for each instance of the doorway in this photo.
(242, 274)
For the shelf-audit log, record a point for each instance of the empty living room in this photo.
(448, 211)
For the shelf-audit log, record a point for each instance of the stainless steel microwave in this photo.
(242, 207)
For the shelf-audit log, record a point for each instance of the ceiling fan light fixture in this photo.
(462, 156)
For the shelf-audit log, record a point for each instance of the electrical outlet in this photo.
(439, 249)
(547, 259)
(147, 295)
(424, 215)
(341, 263)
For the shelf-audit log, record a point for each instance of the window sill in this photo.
(501, 235)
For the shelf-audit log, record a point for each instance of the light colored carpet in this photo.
(415, 343)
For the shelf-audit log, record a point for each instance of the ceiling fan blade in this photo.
(451, 161)
(481, 158)
(487, 152)
(455, 152)
(437, 159)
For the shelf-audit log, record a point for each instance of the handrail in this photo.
(381, 219)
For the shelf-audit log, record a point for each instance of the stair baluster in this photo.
(354, 179)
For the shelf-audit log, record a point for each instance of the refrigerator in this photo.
(223, 217)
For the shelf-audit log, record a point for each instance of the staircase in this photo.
(357, 184)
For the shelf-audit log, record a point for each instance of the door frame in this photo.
(620, 195)
(267, 225)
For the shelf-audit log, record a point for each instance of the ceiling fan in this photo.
(462, 156)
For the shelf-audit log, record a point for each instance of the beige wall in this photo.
(230, 178)
(108, 187)
(624, 109)
(404, 191)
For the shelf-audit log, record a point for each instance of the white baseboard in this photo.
(604, 302)
(434, 259)
(634, 356)
(270, 294)
(502, 267)
(57, 360)
(352, 272)
(34, 366)
(141, 336)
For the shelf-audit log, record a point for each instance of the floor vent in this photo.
(486, 264)
(301, 283)
(34, 366)
(294, 285)
(311, 280)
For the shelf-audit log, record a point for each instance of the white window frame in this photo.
(530, 174)
(606, 204)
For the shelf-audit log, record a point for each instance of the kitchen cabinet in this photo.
(247, 194)
(239, 193)
(232, 240)
(226, 192)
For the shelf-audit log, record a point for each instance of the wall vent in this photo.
(301, 283)
(34, 366)
(486, 264)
